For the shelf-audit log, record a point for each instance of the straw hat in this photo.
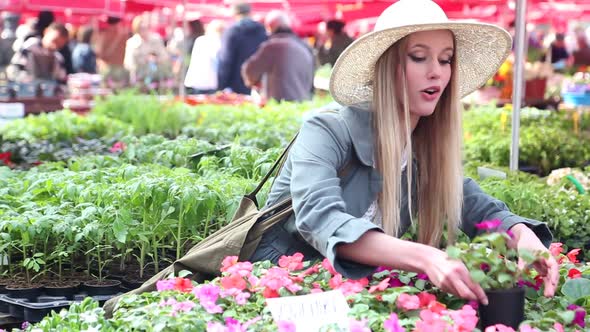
(479, 51)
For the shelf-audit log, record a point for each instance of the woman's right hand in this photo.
(452, 276)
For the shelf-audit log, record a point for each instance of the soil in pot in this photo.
(24, 291)
(105, 287)
(65, 288)
(506, 306)
(132, 282)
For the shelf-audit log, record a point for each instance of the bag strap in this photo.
(275, 166)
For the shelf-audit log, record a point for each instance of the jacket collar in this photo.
(359, 120)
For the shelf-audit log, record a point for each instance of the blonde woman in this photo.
(398, 135)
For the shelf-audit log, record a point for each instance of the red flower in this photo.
(574, 273)
(556, 249)
(5, 158)
(572, 255)
(183, 285)
(270, 293)
(426, 299)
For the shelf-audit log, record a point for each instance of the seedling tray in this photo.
(34, 311)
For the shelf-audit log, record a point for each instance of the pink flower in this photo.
(242, 298)
(489, 225)
(276, 278)
(349, 287)
(558, 327)
(556, 249)
(383, 285)
(431, 322)
(465, 320)
(474, 304)
(165, 284)
(408, 302)
(208, 295)
(185, 306)
(292, 263)
(528, 328)
(499, 328)
(328, 266)
(358, 326)
(580, 317)
(215, 327)
(228, 262)
(392, 324)
(243, 269)
(286, 326)
(118, 147)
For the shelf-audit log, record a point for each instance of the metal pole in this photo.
(519, 60)
(183, 59)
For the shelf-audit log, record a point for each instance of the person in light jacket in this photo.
(283, 65)
(391, 157)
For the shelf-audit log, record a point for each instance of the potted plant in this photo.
(494, 264)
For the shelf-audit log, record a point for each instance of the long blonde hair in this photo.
(436, 141)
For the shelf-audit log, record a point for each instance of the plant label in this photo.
(12, 110)
(311, 312)
(3, 260)
(485, 172)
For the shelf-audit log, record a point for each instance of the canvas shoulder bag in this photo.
(238, 238)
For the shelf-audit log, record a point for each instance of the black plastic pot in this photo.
(67, 291)
(506, 306)
(107, 287)
(16, 310)
(29, 293)
(132, 283)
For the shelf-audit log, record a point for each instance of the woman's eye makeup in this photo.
(416, 58)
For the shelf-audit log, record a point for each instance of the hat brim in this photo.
(479, 51)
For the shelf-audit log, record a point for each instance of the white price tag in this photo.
(311, 312)
(12, 110)
(3, 260)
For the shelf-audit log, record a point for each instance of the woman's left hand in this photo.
(548, 268)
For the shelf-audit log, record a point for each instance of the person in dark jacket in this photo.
(284, 64)
(238, 43)
(337, 42)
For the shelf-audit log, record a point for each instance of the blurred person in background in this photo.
(195, 30)
(201, 77)
(336, 41)
(7, 38)
(109, 45)
(582, 53)
(83, 57)
(143, 47)
(283, 65)
(560, 57)
(238, 43)
(39, 58)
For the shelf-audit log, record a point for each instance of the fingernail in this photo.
(485, 302)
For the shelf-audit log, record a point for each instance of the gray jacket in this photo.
(328, 209)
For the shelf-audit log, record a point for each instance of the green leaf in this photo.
(454, 252)
(575, 289)
(184, 273)
(504, 278)
(567, 317)
(478, 276)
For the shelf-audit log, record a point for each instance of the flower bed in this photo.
(388, 300)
